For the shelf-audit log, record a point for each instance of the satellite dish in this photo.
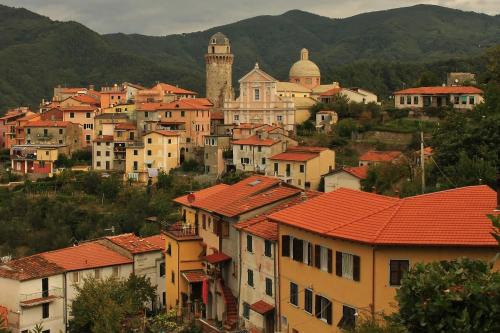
(191, 197)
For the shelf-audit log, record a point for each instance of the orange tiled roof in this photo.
(195, 275)
(125, 126)
(79, 108)
(168, 88)
(332, 92)
(158, 240)
(360, 172)
(380, 156)
(48, 123)
(201, 194)
(103, 138)
(255, 141)
(85, 256)
(201, 101)
(439, 91)
(135, 244)
(73, 90)
(27, 268)
(217, 258)
(294, 156)
(455, 217)
(262, 307)
(85, 99)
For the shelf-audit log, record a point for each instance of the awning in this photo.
(217, 258)
(194, 276)
(262, 307)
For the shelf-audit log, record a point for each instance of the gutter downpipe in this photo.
(373, 282)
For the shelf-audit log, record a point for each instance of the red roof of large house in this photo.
(380, 156)
(48, 123)
(125, 126)
(200, 195)
(201, 101)
(158, 240)
(27, 268)
(168, 88)
(360, 172)
(456, 217)
(85, 256)
(255, 141)
(439, 90)
(294, 156)
(135, 244)
(104, 138)
(332, 92)
(85, 99)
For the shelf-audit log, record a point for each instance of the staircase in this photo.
(231, 303)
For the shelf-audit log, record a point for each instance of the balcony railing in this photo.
(180, 230)
(33, 299)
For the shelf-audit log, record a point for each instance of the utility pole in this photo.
(422, 161)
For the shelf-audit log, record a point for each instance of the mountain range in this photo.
(380, 51)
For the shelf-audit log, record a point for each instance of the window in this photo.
(249, 243)
(146, 114)
(45, 310)
(28, 130)
(97, 273)
(259, 149)
(246, 310)
(463, 99)
(298, 249)
(408, 100)
(76, 277)
(98, 153)
(150, 140)
(136, 166)
(245, 160)
(456, 100)
(276, 168)
(162, 265)
(348, 266)
(183, 113)
(323, 309)
(471, 100)
(236, 117)
(45, 287)
(323, 258)
(60, 131)
(87, 115)
(136, 152)
(401, 100)
(294, 294)
(169, 154)
(87, 137)
(250, 277)
(263, 160)
(285, 246)
(72, 115)
(45, 132)
(415, 99)
(107, 153)
(302, 168)
(169, 252)
(164, 298)
(85, 126)
(169, 141)
(98, 163)
(204, 221)
(242, 147)
(308, 301)
(279, 119)
(116, 271)
(268, 248)
(269, 287)
(397, 268)
(150, 153)
(348, 320)
(256, 94)
(98, 143)
(172, 277)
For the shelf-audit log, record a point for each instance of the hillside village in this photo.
(313, 205)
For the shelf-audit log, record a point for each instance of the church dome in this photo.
(304, 67)
(219, 39)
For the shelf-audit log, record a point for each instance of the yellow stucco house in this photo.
(158, 151)
(343, 254)
(302, 166)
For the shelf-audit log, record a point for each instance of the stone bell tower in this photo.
(219, 68)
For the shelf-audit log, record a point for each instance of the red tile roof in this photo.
(201, 194)
(194, 276)
(201, 101)
(255, 141)
(158, 240)
(48, 123)
(168, 88)
(72, 90)
(125, 126)
(380, 156)
(216, 258)
(455, 217)
(85, 99)
(439, 91)
(332, 92)
(104, 138)
(262, 307)
(79, 108)
(294, 156)
(27, 268)
(358, 172)
(85, 256)
(135, 244)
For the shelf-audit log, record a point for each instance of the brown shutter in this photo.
(338, 263)
(330, 261)
(356, 268)
(298, 250)
(309, 255)
(285, 246)
(317, 256)
(329, 310)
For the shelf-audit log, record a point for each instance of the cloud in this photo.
(164, 17)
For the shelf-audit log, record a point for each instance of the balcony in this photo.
(182, 231)
(34, 299)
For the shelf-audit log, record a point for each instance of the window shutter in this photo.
(329, 310)
(317, 256)
(356, 268)
(330, 261)
(338, 263)
(285, 246)
(298, 250)
(309, 254)
(317, 306)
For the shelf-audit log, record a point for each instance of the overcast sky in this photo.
(163, 17)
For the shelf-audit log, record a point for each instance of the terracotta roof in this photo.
(235, 193)
(79, 108)
(358, 172)
(217, 115)
(455, 217)
(85, 99)
(104, 138)
(158, 240)
(168, 88)
(135, 244)
(27, 268)
(262, 307)
(439, 90)
(48, 123)
(255, 141)
(217, 258)
(125, 126)
(201, 101)
(331, 92)
(380, 156)
(85, 256)
(201, 194)
(194, 275)
(72, 90)
(294, 156)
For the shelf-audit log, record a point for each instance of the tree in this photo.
(107, 305)
(385, 178)
(450, 296)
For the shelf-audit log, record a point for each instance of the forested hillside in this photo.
(381, 51)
